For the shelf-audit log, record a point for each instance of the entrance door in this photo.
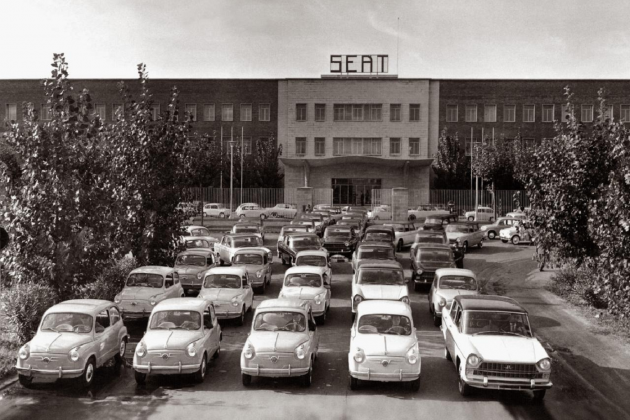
(354, 191)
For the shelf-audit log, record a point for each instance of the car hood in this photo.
(140, 293)
(189, 269)
(170, 340)
(375, 291)
(384, 344)
(219, 294)
(305, 293)
(506, 348)
(454, 235)
(449, 294)
(276, 341)
(52, 342)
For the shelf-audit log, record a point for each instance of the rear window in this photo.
(251, 241)
(388, 277)
(303, 280)
(312, 260)
(145, 280)
(433, 255)
(430, 239)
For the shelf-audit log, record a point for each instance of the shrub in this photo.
(110, 282)
(24, 305)
(577, 285)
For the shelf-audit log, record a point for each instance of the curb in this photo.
(8, 382)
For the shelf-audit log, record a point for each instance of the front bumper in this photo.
(395, 372)
(227, 311)
(152, 369)
(135, 315)
(49, 373)
(425, 278)
(507, 383)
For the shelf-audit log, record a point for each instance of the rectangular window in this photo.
(208, 112)
(414, 146)
(451, 113)
(320, 146)
(471, 145)
(357, 112)
(357, 146)
(264, 112)
(300, 112)
(587, 113)
(11, 112)
(247, 145)
(509, 113)
(227, 112)
(46, 114)
(490, 113)
(394, 112)
(394, 146)
(155, 112)
(191, 112)
(246, 112)
(547, 113)
(300, 146)
(471, 113)
(320, 112)
(414, 112)
(117, 109)
(101, 111)
(529, 113)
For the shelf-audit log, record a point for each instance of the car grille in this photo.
(508, 370)
(189, 280)
(427, 275)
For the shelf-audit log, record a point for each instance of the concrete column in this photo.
(400, 204)
(304, 199)
(307, 174)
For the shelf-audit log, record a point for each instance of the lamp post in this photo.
(231, 143)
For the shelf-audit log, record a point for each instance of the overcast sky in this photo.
(557, 39)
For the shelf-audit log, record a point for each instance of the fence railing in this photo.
(465, 199)
(265, 197)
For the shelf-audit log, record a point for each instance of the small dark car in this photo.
(296, 242)
(427, 259)
(341, 240)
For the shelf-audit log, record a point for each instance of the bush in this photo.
(110, 282)
(577, 285)
(24, 305)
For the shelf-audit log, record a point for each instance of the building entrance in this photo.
(354, 191)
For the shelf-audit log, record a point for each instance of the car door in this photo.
(116, 325)
(249, 293)
(211, 330)
(450, 328)
(313, 334)
(105, 337)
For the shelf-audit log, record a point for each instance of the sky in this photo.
(441, 39)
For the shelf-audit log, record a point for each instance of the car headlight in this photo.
(473, 360)
(199, 276)
(24, 352)
(118, 298)
(359, 356)
(357, 299)
(152, 300)
(141, 350)
(249, 351)
(412, 355)
(259, 273)
(457, 241)
(191, 350)
(405, 299)
(299, 352)
(419, 271)
(442, 302)
(235, 300)
(347, 243)
(544, 364)
(319, 298)
(74, 354)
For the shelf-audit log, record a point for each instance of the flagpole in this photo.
(471, 159)
(242, 152)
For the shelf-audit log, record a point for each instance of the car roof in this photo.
(291, 304)
(388, 307)
(434, 246)
(430, 233)
(318, 252)
(240, 271)
(379, 227)
(493, 303)
(242, 235)
(197, 251)
(379, 264)
(249, 204)
(253, 250)
(376, 244)
(465, 223)
(184, 304)
(454, 272)
(193, 238)
(196, 227)
(154, 269)
(84, 306)
(337, 228)
(247, 225)
(293, 227)
(306, 269)
(301, 234)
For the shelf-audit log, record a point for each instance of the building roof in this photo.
(386, 307)
(291, 304)
(154, 269)
(182, 304)
(84, 306)
(491, 303)
(454, 272)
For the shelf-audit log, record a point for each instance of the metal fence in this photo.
(465, 199)
(265, 197)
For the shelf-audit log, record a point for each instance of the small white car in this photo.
(404, 232)
(380, 212)
(383, 345)
(285, 211)
(250, 210)
(226, 248)
(382, 280)
(244, 227)
(258, 266)
(448, 283)
(145, 287)
(516, 234)
(216, 210)
(182, 336)
(229, 291)
(315, 258)
(490, 342)
(492, 230)
(421, 212)
(308, 283)
(517, 215)
(288, 229)
(484, 214)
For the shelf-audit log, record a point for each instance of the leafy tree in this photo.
(451, 167)
(266, 164)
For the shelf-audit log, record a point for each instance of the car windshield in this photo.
(245, 229)
(303, 280)
(377, 253)
(254, 259)
(378, 236)
(458, 282)
(457, 228)
(433, 221)
(145, 280)
(383, 276)
(280, 321)
(222, 281)
(303, 241)
(247, 242)
(200, 232)
(67, 322)
(196, 260)
(312, 260)
(199, 243)
(175, 320)
(384, 324)
(337, 233)
(496, 323)
(438, 255)
(429, 239)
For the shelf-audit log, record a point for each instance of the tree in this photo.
(266, 164)
(451, 167)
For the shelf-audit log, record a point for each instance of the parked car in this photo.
(308, 283)
(438, 221)
(517, 215)
(145, 287)
(326, 217)
(491, 230)
(230, 242)
(357, 224)
(74, 338)
(196, 230)
(191, 264)
(310, 223)
(296, 242)
(283, 330)
(373, 251)
(484, 214)
(250, 210)
(289, 229)
(314, 258)
(448, 283)
(490, 342)
(315, 217)
(354, 209)
(517, 234)
(427, 260)
(229, 291)
(216, 210)
(379, 280)
(379, 212)
(422, 212)
(258, 265)
(182, 336)
(192, 242)
(380, 233)
(464, 235)
(248, 227)
(383, 345)
(285, 211)
(404, 232)
(427, 237)
(341, 240)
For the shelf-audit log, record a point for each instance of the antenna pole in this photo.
(397, 45)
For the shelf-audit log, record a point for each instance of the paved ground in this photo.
(585, 388)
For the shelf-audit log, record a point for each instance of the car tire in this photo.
(471, 218)
(87, 377)
(415, 385)
(464, 389)
(492, 234)
(246, 379)
(217, 353)
(437, 320)
(539, 395)
(263, 217)
(241, 319)
(200, 375)
(354, 383)
(504, 241)
(516, 239)
(221, 263)
(480, 244)
(274, 215)
(122, 348)
(25, 381)
(141, 378)
(321, 320)
(447, 355)
(412, 217)
(221, 215)
(307, 379)
(465, 247)
(400, 245)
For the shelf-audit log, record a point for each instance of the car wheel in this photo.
(354, 383)
(412, 217)
(307, 379)
(400, 245)
(539, 395)
(274, 215)
(221, 215)
(447, 355)
(415, 385)
(200, 375)
(321, 320)
(87, 378)
(437, 321)
(241, 319)
(516, 239)
(246, 379)
(492, 234)
(122, 348)
(217, 353)
(480, 244)
(465, 247)
(471, 218)
(221, 263)
(464, 389)
(504, 241)
(263, 288)
(141, 378)
(25, 381)
(263, 217)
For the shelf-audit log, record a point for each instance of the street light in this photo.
(231, 143)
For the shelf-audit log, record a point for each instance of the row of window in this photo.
(358, 112)
(357, 146)
(527, 142)
(548, 113)
(209, 112)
